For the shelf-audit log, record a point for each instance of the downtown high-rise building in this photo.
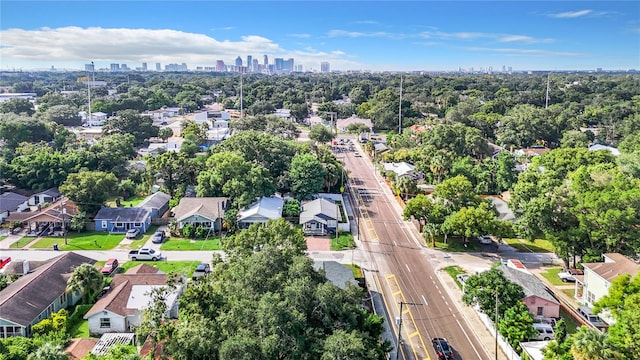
(249, 62)
(325, 67)
(89, 67)
(238, 62)
(158, 67)
(265, 62)
(220, 67)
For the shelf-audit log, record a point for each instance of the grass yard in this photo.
(569, 292)
(132, 201)
(456, 244)
(552, 275)
(188, 244)
(537, 246)
(453, 271)
(22, 242)
(88, 240)
(572, 325)
(343, 242)
(357, 272)
(2, 238)
(176, 267)
(80, 330)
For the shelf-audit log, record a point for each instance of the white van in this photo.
(545, 331)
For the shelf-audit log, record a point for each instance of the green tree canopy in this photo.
(89, 189)
(307, 175)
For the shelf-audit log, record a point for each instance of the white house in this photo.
(261, 211)
(611, 149)
(319, 217)
(12, 202)
(47, 196)
(121, 308)
(400, 168)
(597, 278)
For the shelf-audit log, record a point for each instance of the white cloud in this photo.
(365, 22)
(301, 36)
(466, 36)
(358, 34)
(528, 52)
(571, 14)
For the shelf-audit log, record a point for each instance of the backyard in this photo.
(131, 201)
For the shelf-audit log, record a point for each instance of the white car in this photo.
(485, 239)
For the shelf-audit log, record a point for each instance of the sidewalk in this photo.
(470, 317)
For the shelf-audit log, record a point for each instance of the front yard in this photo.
(176, 267)
(87, 240)
(343, 242)
(552, 275)
(455, 244)
(188, 244)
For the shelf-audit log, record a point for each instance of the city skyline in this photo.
(355, 35)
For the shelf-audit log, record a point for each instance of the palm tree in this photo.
(49, 351)
(405, 186)
(438, 167)
(591, 344)
(86, 280)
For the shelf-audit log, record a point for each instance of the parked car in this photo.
(158, 237)
(442, 348)
(462, 278)
(145, 254)
(103, 292)
(485, 239)
(133, 233)
(593, 319)
(201, 270)
(110, 267)
(4, 260)
(569, 275)
(545, 331)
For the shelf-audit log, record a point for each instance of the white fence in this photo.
(504, 344)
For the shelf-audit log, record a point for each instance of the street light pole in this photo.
(399, 321)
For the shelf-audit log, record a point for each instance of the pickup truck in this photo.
(569, 275)
(145, 254)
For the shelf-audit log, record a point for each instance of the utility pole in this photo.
(546, 101)
(64, 221)
(496, 324)
(89, 96)
(400, 109)
(241, 94)
(399, 322)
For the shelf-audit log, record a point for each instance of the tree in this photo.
(405, 187)
(307, 175)
(131, 122)
(49, 351)
(342, 345)
(197, 133)
(62, 114)
(165, 133)
(321, 134)
(455, 193)
(591, 344)
(78, 221)
(86, 280)
(89, 189)
(113, 151)
(574, 139)
(277, 233)
(487, 287)
(17, 106)
(517, 325)
(291, 208)
(174, 171)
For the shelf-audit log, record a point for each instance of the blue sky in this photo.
(350, 35)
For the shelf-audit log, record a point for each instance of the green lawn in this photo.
(88, 240)
(22, 242)
(80, 330)
(552, 275)
(2, 238)
(132, 201)
(572, 325)
(177, 267)
(453, 271)
(343, 242)
(456, 244)
(536, 246)
(357, 272)
(187, 244)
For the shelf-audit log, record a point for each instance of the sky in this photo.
(350, 35)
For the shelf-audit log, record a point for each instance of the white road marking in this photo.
(407, 265)
(423, 299)
(469, 340)
(394, 243)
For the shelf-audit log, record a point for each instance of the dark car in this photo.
(201, 270)
(158, 237)
(443, 350)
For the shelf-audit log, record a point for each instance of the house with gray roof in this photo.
(201, 211)
(34, 296)
(537, 297)
(12, 202)
(265, 209)
(157, 203)
(119, 220)
(47, 196)
(338, 274)
(319, 217)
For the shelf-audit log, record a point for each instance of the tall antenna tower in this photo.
(546, 102)
(400, 109)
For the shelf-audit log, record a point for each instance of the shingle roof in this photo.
(319, 210)
(338, 274)
(209, 207)
(531, 285)
(59, 210)
(24, 299)
(401, 168)
(268, 207)
(53, 192)
(155, 201)
(10, 201)
(615, 265)
(123, 214)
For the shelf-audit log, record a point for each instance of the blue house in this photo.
(119, 220)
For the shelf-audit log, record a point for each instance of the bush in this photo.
(291, 208)
(201, 232)
(56, 323)
(188, 231)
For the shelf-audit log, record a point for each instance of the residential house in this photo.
(611, 149)
(34, 296)
(532, 151)
(209, 117)
(283, 114)
(120, 310)
(319, 217)
(11, 202)
(120, 219)
(163, 113)
(155, 149)
(217, 135)
(538, 299)
(343, 124)
(402, 169)
(157, 203)
(201, 211)
(51, 217)
(504, 213)
(96, 118)
(597, 278)
(47, 196)
(261, 211)
(338, 274)
(379, 148)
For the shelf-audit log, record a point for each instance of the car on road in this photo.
(132, 233)
(442, 348)
(109, 267)
(158, 237)
(201, 270)
(145, 254)
(357, 154)
(569, 275)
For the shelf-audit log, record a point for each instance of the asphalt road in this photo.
(402, 270)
